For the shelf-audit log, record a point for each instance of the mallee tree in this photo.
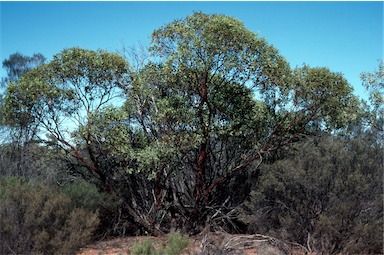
(62, 95)
(199, 106)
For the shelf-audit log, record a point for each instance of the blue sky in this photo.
(347, 37)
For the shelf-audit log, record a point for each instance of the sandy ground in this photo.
(214, 243)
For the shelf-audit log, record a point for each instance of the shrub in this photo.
(87, 196)
(36, 219)
(144, 248)
(327, 197)
(176, 244)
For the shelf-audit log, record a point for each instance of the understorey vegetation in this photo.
(212, 129)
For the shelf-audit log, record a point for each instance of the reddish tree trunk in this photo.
(200, 175)
(201, 172)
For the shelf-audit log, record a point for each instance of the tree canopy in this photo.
(61, 96)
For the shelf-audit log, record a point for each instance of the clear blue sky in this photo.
(347, 37)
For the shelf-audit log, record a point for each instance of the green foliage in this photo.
(75, 83)
(143, 248)
(219, 45)
(374, 83)
(38, 219)
(175, 245)
(86, 195)
(326, 196)
(108, 126)
(327, 95)
(211, 62)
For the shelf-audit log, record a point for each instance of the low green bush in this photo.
(145, 247)
(87, 196)
(175, 245)
(37, 219)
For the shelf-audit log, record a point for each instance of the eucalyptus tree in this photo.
(213, 102)
(61, 96)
